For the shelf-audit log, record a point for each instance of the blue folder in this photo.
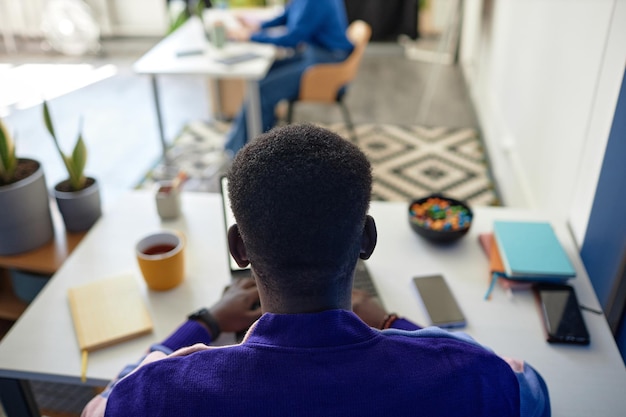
(532, 251)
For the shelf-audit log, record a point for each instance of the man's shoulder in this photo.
(432, 334)
(440, 345)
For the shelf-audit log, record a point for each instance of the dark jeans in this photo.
(282, 82)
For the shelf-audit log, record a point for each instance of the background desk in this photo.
(583, 381)
(162, 59)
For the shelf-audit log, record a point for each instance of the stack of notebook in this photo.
(523, 253)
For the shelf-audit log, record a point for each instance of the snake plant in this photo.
(74, 163)
(8, 161)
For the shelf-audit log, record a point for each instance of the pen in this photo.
(179, 180)
(83, 367)
(189, 52)
(494, 278)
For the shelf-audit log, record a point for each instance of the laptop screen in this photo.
(229, 220)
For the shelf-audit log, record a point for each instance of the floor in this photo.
(118, 115)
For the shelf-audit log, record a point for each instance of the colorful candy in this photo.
(439, 214)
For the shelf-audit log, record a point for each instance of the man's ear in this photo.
(369, 238)
(237, 247)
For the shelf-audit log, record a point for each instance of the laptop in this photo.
(362, 278)
(229, 219)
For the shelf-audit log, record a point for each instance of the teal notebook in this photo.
(532, 251)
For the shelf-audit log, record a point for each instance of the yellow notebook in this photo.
(108, 311)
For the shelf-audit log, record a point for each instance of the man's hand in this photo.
(239, 34)
(368, 308)
(250, 23)
(235, 311)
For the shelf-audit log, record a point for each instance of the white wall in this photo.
(540, 72)
(138, 17)
(115, 17)
(601, 120)
(21, 17)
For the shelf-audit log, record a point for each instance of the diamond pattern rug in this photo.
(408, 161)
(413, 161)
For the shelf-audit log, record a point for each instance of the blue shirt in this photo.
(329, 364)
(321, 23)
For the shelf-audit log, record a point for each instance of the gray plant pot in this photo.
(80, 209)
(25, 220)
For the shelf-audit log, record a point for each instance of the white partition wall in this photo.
(544, 76)
(600, 121)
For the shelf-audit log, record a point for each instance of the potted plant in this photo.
(78, 197)
(180, 11)
(25, 220)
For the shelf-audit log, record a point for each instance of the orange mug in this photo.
(161, 259)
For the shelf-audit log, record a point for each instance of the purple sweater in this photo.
(327, 364)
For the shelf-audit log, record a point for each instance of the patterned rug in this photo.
(408, 161)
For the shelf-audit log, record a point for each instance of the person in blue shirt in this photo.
(316, 31)
(300, 195)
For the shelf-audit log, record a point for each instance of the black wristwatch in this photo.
(204, 316)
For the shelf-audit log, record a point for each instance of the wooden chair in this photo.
(327, 83)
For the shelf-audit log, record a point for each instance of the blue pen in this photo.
(494, 278)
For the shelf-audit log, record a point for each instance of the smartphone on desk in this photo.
(561, 316)
(439, 302)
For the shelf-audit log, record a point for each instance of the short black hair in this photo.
(300, 195)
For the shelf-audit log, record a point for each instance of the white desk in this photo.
(583, 381)
(163, 59)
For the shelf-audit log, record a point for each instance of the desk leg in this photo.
(253, 119)
(157, 105)
(17, 398)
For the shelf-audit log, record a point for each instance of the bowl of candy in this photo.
(439, 218)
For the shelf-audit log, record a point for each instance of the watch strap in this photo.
(205, 317)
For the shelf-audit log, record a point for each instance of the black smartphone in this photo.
(561, 316)
(439, 302)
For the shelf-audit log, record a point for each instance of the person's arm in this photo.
(374, 314)
(248, 26)
(533, 391)
(232, 313)
(280, 20)
(534, 397)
